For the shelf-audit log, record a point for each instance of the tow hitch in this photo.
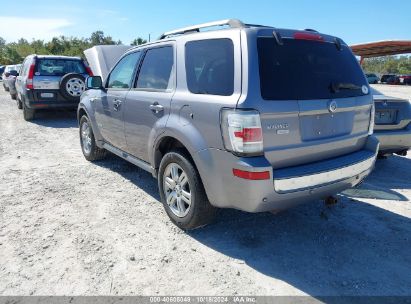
(330, 200)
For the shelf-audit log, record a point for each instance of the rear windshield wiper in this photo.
(337, 86)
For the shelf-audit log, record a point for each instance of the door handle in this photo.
(117, 104)
(156, 107)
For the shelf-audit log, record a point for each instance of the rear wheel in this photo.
(13, 96)
(28, 114)
(182, 192)
(88, 143)
(19, 103)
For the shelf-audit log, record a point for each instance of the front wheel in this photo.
(182, 192)
(88, 143)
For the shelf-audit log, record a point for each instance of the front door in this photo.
(109, 110)
(148, 104)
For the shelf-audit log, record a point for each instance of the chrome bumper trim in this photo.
(323, 178)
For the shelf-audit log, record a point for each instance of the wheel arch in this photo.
(168, 143)
(84, 110)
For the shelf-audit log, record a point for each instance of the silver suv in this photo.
(248, 117)
(47, 81)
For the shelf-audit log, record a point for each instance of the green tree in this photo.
(138, 41)
(388, 64)
(15, 52)
(98, 38)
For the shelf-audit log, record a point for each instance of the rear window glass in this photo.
(210, 67)
(58, 67)
(303, 69)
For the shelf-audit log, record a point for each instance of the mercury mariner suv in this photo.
(250, 117)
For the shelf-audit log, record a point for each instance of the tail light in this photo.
(372, 120)
(88, 70)
(29, 84)
(242, 132)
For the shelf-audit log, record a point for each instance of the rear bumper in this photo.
(34, 101)
(394, 140)
(287, 187)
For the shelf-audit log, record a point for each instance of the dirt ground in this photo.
(70, 227)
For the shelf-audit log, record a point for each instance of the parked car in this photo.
(11, 83)
(6, 74)
(372, 78)
(2, 67)
(393, 80)
(386, 77)
(50, 82)
(230, 119)
(405, 79)
(392, 124)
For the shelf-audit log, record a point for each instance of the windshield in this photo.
(302, 69)
(58, 67)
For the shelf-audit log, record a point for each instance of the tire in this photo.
(87, 141)
(19, 103)
(186, 216)
(28, 114)
(13, 96)
(72, 85)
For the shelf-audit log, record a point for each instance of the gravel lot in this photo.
(394, 90)
(69, 227)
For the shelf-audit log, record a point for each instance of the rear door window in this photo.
(210, 67)
(303, 69)
(58, 67)
(155, 73)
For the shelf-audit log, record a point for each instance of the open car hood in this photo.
(102, 58)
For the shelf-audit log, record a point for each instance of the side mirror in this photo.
(94, 82)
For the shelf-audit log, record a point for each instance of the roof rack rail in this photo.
(232, 23)
(310, 30)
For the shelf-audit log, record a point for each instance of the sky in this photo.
(353, 21)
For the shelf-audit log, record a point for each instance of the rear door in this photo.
(48, 73)
(314, 99)
(109, 110)
(148, 103)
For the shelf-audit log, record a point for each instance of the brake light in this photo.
(308, 36)
(242, 132)
(88, 70)
(29, 84)
(251, 175)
